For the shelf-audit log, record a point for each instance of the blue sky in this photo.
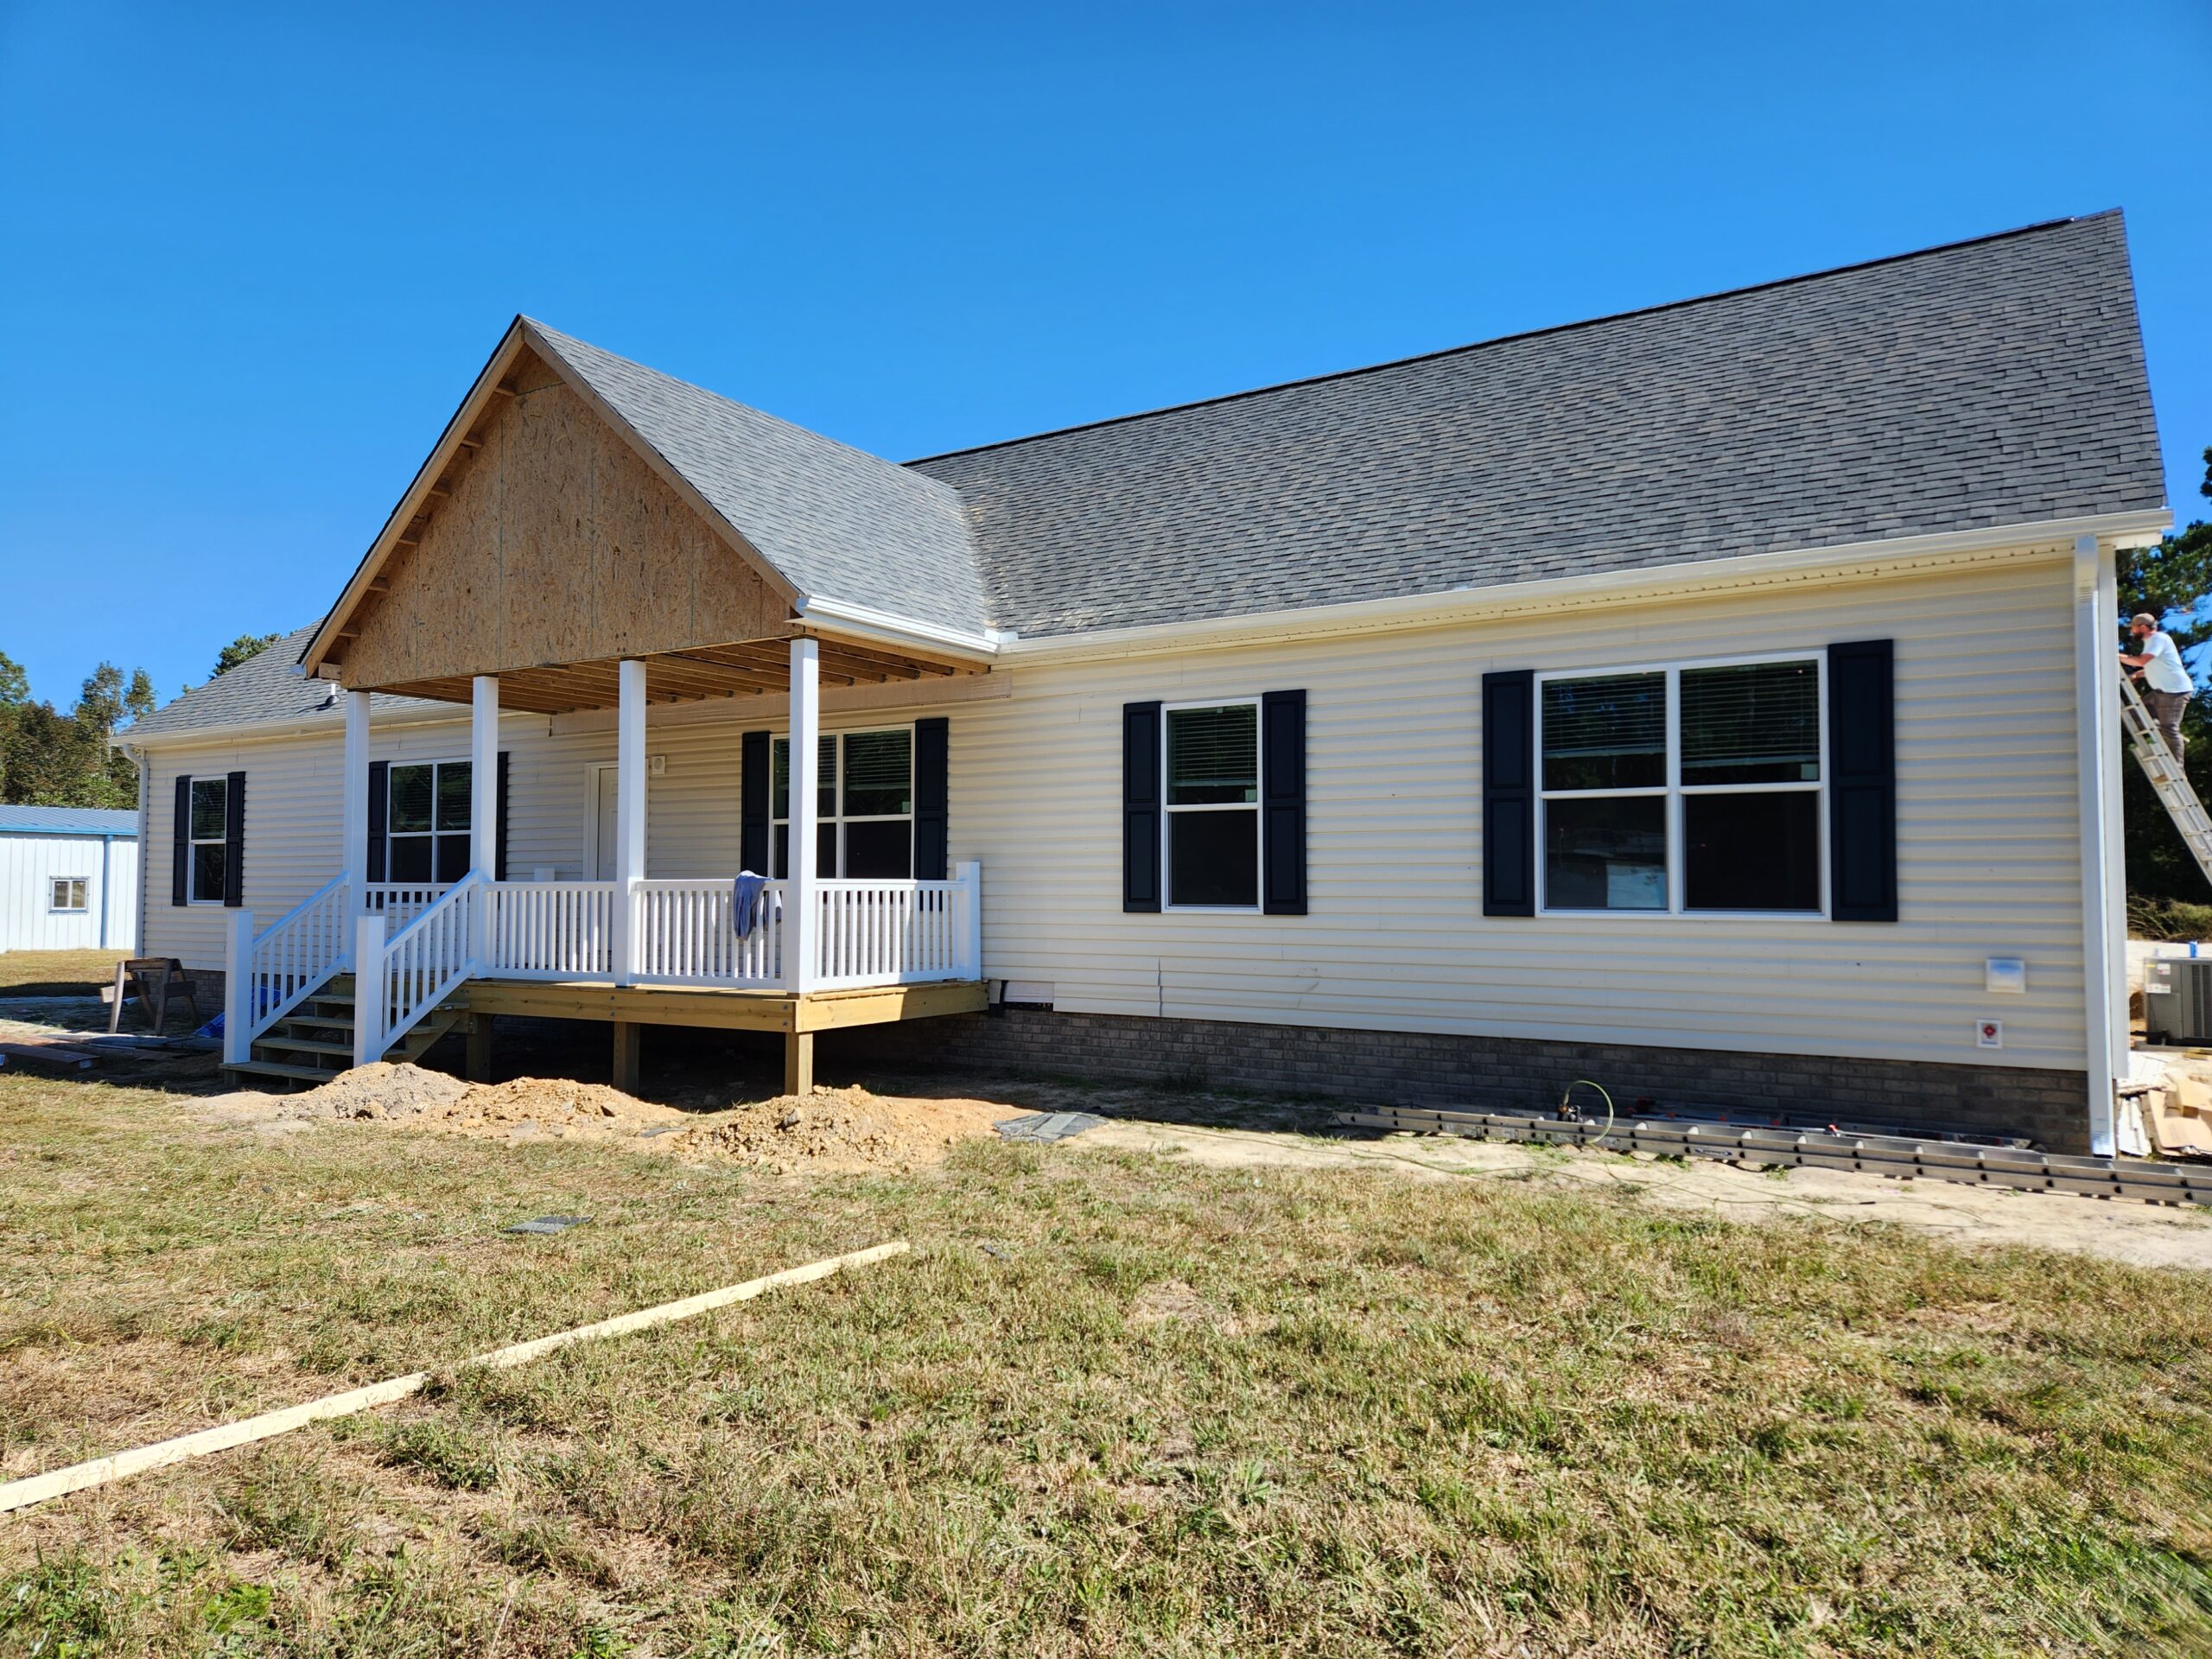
(254, 255)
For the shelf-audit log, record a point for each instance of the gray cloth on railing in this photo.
(745, 901)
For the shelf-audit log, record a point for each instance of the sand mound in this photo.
(842, 1128)
(379, 1091)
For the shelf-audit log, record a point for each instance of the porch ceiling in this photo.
(737, 669)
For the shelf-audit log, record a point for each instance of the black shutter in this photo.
(932, 791)
(234, 841)
(377, 785)
(1510, 793)
(1282, 806)
(180, 845)
(753, 787)
(1140, 806)
(1863, 782)
(500, 825)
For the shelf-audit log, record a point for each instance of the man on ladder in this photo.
(2166, 684)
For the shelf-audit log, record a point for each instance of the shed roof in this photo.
(68, 820)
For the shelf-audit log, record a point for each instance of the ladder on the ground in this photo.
(2165, 774)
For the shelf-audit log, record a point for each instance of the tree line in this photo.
(48, 758)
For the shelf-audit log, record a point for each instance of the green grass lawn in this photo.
(57, 972)
(1112, 1405)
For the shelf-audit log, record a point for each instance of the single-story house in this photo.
(68, 878)
(1716, 701)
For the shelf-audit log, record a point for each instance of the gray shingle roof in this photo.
(1989, 383)
(67, 821)
(839, 523)
(261, 690)
(1985, 384)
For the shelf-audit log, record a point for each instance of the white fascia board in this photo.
(1405, 611)
(864, 622)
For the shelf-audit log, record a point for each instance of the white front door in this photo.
(602, 841)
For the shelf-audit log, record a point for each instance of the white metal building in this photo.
(68, 878)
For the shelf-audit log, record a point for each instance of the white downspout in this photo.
(2104, 980)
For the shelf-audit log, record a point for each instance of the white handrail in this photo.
(414, 969)
(687, 934)
(278, 969)
(399, 902)
(890, 932)
(551, 929)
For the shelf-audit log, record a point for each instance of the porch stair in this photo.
(2168, 780)
(315, 1042)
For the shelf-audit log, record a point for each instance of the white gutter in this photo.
(893, 630)
(1458, 604)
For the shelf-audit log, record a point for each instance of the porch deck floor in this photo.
(627, 1007)
(720, 1007)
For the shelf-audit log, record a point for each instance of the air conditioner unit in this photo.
(2178, 999)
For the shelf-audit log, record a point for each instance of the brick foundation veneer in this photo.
(1423, 1069)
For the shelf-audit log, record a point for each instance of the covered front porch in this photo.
(582, 541)
(794, 954)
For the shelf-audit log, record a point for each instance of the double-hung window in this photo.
(69, 892)
(1212, 800)
(209, 823)
(425, 821)
(1686, 789)
(864, 804)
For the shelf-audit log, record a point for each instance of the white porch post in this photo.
(484, 775)
(483, 804)
(969, 875)
(355, 795)
(368, 989)
(237, 991)
(801, 925)
(629, 813)
(2096, 603)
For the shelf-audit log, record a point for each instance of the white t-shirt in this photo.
(2164, 672)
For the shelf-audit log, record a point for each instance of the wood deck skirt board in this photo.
(726, 1010)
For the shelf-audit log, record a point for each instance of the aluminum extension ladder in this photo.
(2165, 774)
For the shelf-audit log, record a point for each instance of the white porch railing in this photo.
(268, 974)
(686, 934)
(399, 902)
(551, 929)
(894, 932)
(398, 980)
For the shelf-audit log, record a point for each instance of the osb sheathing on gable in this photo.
(557, 544)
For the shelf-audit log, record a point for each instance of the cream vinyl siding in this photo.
(1395, 940)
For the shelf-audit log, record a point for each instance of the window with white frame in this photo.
(426, 820)
(209, 822)
(864, 804)
(70, 893)
(1695, 788)
(1213, 799)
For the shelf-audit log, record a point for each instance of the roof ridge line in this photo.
(1520, 334)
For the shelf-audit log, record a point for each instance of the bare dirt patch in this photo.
(837, 1128)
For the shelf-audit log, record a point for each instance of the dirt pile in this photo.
(378, 1092)
(842, 1128)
